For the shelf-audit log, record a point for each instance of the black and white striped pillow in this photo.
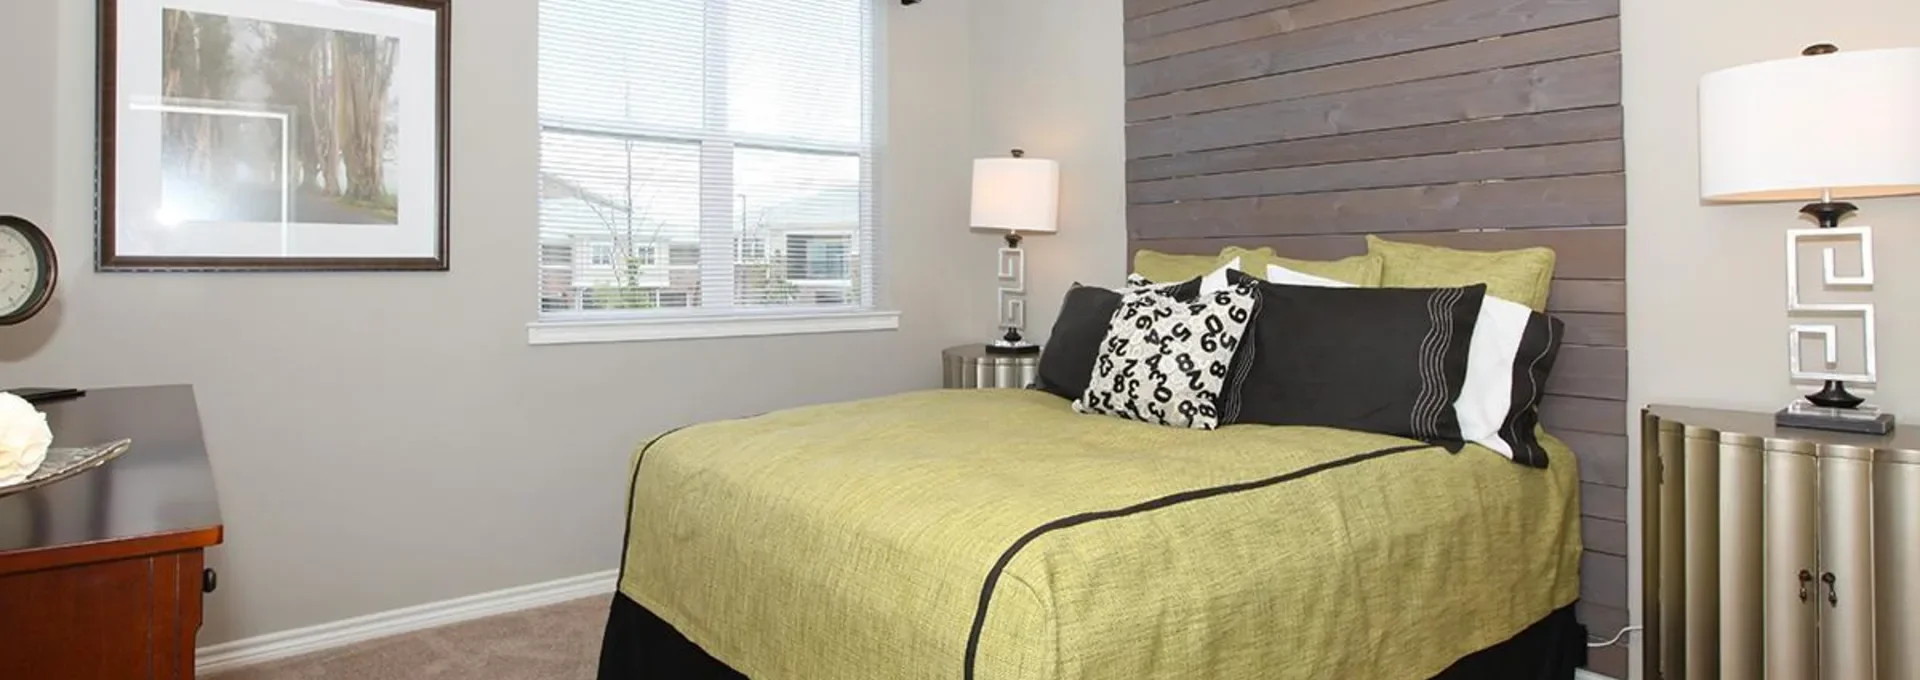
(1386, 360)
(1513, 352)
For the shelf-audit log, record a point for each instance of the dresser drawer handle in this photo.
(209, 580)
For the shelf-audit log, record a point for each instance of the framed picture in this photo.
(273, 135)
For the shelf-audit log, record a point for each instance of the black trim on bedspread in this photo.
(640, 646)
(633, 484)
(993, 575)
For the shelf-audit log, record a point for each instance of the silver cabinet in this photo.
(1845, 602)
(1780, 554)
(1896, 571)
(1790, 507)
(1742, 538)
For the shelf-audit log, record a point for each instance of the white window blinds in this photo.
(705, 156)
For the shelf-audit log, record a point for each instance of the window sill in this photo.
(714, 326)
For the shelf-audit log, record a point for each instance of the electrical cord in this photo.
(1616, 638)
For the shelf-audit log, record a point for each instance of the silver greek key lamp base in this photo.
(1833, 407)
(1012, 300)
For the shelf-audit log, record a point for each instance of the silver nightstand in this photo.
(970, 367)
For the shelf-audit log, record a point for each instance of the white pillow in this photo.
(1214, 282)
(1283, 275)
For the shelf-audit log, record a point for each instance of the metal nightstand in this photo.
(971, 367)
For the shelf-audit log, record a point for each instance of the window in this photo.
(819, 257)
(732, 136)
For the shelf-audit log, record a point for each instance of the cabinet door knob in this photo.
(1833, 593)
(209, 580)
(1806, 577)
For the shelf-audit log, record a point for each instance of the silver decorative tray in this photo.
(62, 463)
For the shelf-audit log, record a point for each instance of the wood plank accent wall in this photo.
(1482, 124)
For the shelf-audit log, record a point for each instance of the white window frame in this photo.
(716, 232)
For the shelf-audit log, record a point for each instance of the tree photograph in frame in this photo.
(273, 135)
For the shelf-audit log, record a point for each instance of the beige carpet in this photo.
(560, 642)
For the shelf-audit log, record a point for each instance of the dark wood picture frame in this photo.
(109, 259)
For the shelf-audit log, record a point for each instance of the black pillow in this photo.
(1066, 362)
(1386, 360)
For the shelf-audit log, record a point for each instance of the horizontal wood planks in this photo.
(1579, 201)
(1418, 28)
(1200, 14)
(1581, 414)
(1606, 502)
(1604, 622)
(1561, 127)
(1304, 125)
(1527, 162)
(1566, 42)
(1586, 82)
(1296, 17)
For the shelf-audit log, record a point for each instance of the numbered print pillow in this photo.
(1168, 362)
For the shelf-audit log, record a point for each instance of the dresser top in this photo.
(1757, 424)
(158, 496)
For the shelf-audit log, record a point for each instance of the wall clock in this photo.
(27, 270)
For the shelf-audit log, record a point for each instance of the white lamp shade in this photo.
(1789, 129)
(1016, 194)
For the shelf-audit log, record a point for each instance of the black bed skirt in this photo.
(640, 646)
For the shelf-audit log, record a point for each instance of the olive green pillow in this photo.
(1522, 275)
(1359, 270)
(1165, 268)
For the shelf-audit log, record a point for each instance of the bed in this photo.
(997, 534)
(1000, 535)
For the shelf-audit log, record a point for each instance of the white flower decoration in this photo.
(24, 438)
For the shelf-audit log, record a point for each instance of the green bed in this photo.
(995, 534)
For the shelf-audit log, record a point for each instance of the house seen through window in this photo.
(705, 155)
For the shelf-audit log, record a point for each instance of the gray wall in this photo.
(1045, 80)
(386, 440)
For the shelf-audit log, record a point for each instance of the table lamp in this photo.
(1016, 195)
(1824, 127)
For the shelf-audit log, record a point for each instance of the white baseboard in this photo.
(1584, 674)
(285, 644)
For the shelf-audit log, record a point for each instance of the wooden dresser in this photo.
(101, 575)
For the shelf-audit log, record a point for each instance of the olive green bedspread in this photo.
(856, 541)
